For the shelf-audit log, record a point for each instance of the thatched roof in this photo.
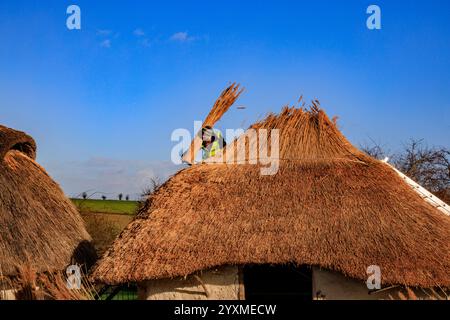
(39, 226)
(329, 205)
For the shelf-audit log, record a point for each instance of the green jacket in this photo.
(214, 147)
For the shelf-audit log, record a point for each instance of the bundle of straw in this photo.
(31, 285)
(222, 104)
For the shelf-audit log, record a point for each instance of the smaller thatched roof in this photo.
(16, 140)
(329, 205)
(39, 226)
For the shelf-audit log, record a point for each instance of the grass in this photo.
(104, 228)
(125, 293)
(106, 206)
(105, 219)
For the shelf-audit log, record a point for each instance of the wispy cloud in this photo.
(103, 32)
(182, 37)
(109, 176)
(139, 32)
(105, 43)
(145, 42)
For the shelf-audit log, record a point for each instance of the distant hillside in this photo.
(106, 206)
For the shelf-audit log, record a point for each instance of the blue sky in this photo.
(103, 101)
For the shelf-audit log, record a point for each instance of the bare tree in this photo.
(430, 167)
(155, 183)
(375, 150)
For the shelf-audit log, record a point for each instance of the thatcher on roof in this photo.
(329, 205)
(38, 224)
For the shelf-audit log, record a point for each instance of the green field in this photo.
(106, 206)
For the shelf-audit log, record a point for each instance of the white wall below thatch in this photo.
(329, 285)
(215, 284)
(225, 283)
(7, 294)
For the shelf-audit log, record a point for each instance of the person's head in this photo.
(208, 136)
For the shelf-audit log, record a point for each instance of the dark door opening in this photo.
(277, 281)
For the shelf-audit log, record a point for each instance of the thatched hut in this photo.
(39, 227)
(224, 231)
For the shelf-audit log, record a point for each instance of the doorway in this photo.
(277, 282)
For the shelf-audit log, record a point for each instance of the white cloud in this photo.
(106, 43)
(104, 32)
(139, 32)
(146, 42)
(182, 37)
(109, 176)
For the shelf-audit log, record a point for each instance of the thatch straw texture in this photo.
(38, 224)
(329, 205)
